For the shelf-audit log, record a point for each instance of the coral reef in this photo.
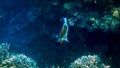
(92, 22)
(92, 16)
(18, 61)
(72, 5)
(115, 12)
(9, 60)
(4, 47)
(90, 61)
(35, 22)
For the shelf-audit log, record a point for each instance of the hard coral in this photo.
(4, 47)
(90, 61)
(9, 60)
(19, 61)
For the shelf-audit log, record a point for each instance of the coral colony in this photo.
(9, 60)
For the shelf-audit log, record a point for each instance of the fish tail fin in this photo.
(65, 19)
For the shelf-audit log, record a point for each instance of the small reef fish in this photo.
(64, 32)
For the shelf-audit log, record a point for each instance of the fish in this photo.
(63, 35)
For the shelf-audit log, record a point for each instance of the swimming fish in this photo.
(64, 32)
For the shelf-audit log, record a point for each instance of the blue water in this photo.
(30, 27)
